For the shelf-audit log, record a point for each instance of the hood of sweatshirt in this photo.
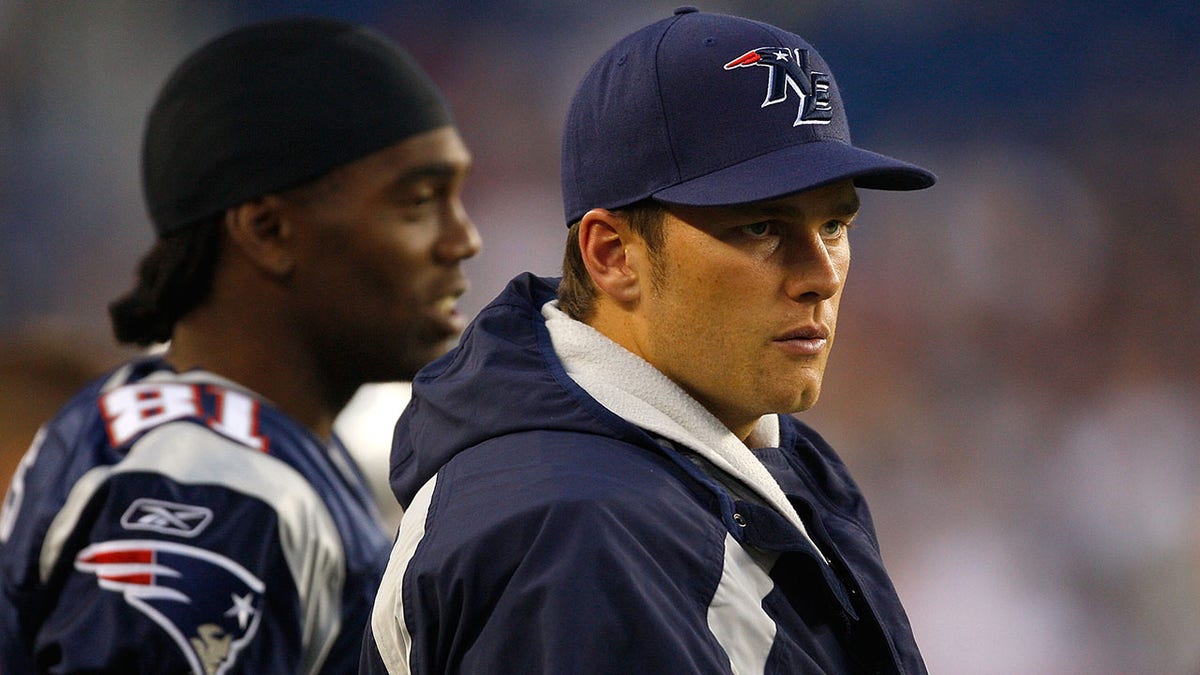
(502, 378)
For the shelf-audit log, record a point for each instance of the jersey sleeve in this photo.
(511, 570)
(194, 553)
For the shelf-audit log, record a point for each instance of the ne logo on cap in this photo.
(789, 69)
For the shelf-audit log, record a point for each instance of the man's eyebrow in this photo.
(849, 207)
(845, 208)
(433, 170)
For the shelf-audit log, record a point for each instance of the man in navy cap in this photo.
(193, 511)
(605, 476)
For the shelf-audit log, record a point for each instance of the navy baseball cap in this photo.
(704, 109)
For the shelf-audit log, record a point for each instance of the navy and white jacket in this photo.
(571, 510)
(170, 522)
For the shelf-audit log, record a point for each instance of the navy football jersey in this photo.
(170, 522)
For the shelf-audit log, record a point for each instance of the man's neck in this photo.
(267, 367)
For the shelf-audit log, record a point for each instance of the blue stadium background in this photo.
(1016, 381)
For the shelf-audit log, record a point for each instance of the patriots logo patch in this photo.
(789, 71)
(159, 578)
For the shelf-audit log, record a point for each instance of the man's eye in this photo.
(421, 197)
(757, 229)
(834, 228)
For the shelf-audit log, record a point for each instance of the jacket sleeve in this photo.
(193, 554)
(543, 567)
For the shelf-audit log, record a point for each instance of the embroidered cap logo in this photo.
(789, 70)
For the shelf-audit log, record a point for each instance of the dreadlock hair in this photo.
(577, 292)
(174, 277)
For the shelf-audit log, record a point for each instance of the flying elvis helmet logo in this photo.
(154, 577)
(788, 69)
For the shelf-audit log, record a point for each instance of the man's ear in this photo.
(613, 254)
(264, 237)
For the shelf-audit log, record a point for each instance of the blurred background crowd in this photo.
(1016, 382)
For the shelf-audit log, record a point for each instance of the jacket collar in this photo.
(633, 389)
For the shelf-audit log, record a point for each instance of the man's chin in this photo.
(805, 400)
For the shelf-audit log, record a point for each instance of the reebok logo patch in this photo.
(154, 515)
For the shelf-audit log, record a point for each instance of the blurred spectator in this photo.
(365, 426)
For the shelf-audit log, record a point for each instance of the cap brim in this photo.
(795, 169)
